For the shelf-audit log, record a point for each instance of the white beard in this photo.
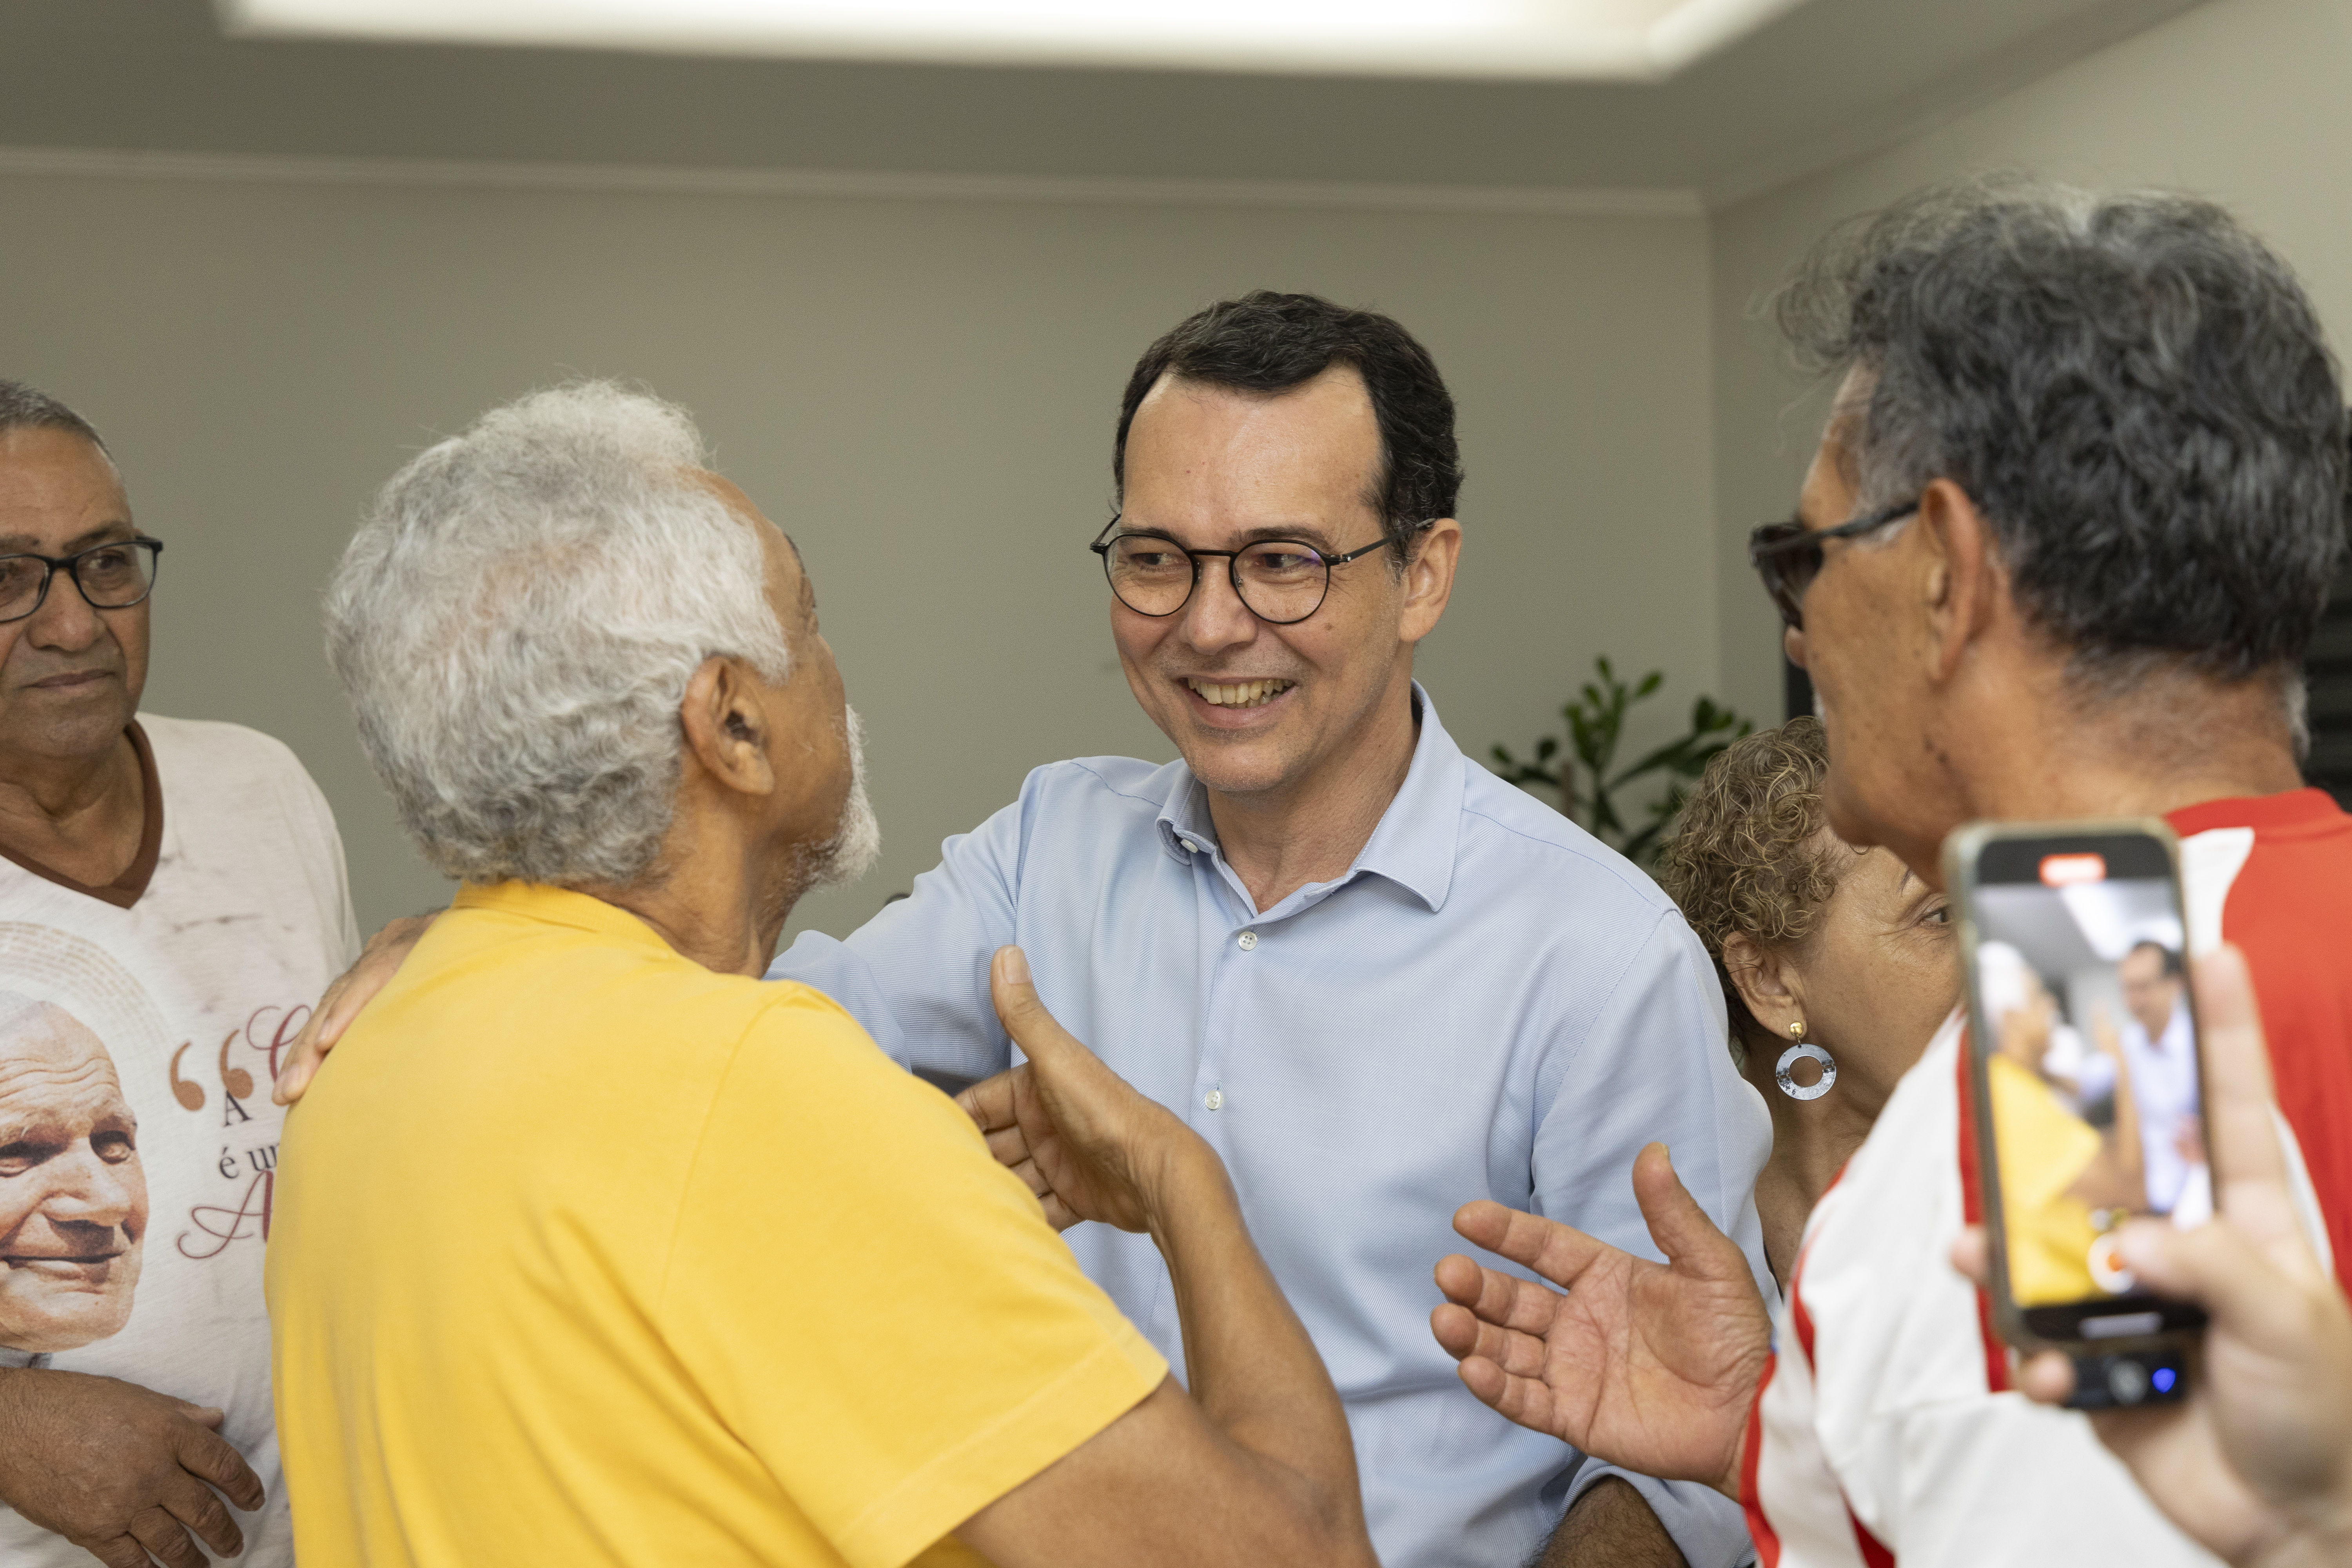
(857, 841)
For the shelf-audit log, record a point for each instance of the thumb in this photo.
(1018, 1008)
(1676, 1222)
(2217, 1267)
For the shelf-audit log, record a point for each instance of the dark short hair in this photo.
(2171, 956)
(1265, 341)
(2134, 391)
(25, 407)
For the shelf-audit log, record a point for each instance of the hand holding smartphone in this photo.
(2087, 1078)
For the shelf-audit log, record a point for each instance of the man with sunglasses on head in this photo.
(2060, 554)
(173, 896)
(1370, 974)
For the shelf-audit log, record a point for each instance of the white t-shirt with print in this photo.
(135, 1251)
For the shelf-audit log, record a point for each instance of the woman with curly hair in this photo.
(1837, 965)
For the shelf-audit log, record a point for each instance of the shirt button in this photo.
(1214, 1099)
(1248, 941)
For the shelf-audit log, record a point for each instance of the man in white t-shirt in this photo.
(172, 901)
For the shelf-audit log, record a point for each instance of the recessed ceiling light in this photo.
(1619, 39)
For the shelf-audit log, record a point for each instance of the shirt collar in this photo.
(558, 906)
(2285, 812)
(1418, 835)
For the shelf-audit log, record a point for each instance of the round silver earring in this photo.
(1798, 1052)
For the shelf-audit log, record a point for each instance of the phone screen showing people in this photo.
(2088, 1051)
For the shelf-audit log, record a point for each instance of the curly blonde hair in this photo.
(1749, 855)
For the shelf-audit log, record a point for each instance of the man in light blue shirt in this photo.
(1379, 980)
(2159, 1043)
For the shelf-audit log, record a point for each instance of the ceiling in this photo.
(1817, 84)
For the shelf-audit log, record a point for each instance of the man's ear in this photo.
(728, 727)
(1765, 981)
(1962, 580)
(1429, 579)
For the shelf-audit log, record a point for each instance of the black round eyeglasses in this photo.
(1280, 580)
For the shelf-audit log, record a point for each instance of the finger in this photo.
(1969, 1257)
(1680, 1228)
(301, 1065)
(1510, 1302)
(1024, 1015)
(202, 1414)
(1525, 1400)
(1454, 1329)
(209, 1458)
(2237, 1072)
(119, 1552)
(1010, 1146)
(344, 1001)
(1546, 1247)
(2218, 1268)
(317, 1037)
(165, 1540)
(199, 1507)
(1458, 1278)
(1032, 1177)
(990, 1103)
(1463, 1333)
(2047, 1378)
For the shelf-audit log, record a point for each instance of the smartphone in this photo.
(2088, 1087)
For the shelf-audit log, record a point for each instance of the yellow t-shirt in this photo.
(584, 1254)
(2043, 1149)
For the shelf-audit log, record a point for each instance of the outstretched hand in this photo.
(1649, 1366)
(1088, 1146)
(2256, 1463)
(352, 989)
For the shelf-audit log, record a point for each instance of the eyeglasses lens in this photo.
(20, 586)
(115, 574)
(1788, 560)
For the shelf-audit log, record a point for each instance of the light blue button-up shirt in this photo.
(1490, 1004)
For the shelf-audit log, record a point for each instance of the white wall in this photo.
(2248, 101)
(922, 393)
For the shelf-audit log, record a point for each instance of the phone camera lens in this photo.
(2127, 1382)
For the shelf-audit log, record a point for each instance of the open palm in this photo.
(1648, 1365)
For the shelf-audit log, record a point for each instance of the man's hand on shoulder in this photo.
(1088, 1146)
(352, 989)
(119, 1470)
(1652, 1366)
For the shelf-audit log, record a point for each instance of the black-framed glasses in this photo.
(110, 577)
(1787, 555)
(1280, 580)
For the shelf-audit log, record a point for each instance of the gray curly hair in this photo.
(516, 622)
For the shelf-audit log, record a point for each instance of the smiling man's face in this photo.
(73, 1196)
(1256, 708)
(69, 676)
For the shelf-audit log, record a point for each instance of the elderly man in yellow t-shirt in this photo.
(592, 1248)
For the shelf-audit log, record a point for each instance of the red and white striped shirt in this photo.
(1884, 1426)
